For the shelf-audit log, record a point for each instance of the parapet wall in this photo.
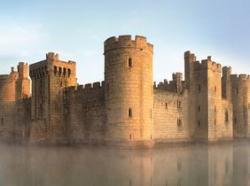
(170, 116)
(126, 41)
(240, 77)
(85, 88)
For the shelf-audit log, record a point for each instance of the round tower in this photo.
(129, 89)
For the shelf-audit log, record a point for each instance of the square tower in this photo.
(49, 78)
(210, 115)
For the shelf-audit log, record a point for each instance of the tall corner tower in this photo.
(129, 88)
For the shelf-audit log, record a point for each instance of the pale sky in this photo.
(76, 29)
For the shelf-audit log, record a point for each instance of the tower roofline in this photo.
(126, 41)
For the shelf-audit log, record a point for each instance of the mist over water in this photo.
(192, 165)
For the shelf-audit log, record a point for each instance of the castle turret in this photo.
(241, 105)
(129, 87)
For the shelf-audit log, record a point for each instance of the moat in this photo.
(189, 165)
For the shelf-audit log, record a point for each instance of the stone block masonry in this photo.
(43, 103)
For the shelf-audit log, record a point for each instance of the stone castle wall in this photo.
(210, 104)
(85, 113)
(170, 116)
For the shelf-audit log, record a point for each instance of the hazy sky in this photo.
(77, 29)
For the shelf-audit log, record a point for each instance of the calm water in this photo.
(196, 165)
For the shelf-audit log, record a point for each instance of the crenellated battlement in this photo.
(52, 63)
(189, 56)
(126, 41)
(51, 56)
(209, 64)
(85, 88)
(226, 71)
(240, 77)
(206, 64)
(175, 85)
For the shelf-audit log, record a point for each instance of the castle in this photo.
(42, 103)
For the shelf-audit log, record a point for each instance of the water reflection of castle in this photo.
(210, 104)
(198, 165)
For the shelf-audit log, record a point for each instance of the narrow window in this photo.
(226, 116)
(178, 104)
(64, 72)
(2, 121)
(215, 89)
(199, 88)
(199, 108)
(235, 120)
(130, 114)
(199, 123)
(179, 122)
(236, 91)
(69, 72)
(130, 136)
(60, 71)
(179, 165)
(55, 70)
(130, 62)
(166, 105)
